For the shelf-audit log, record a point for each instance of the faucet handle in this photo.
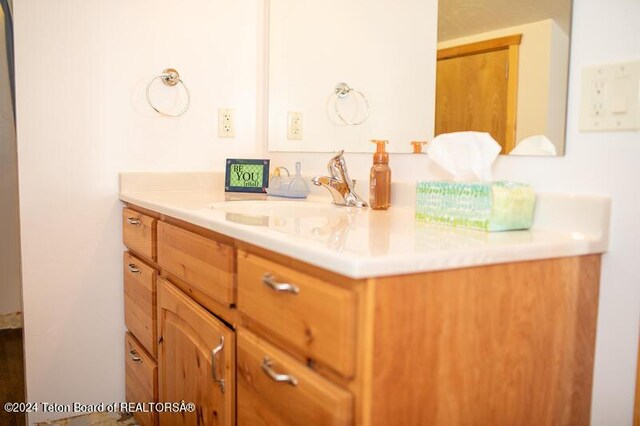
(332, 165)
(338, 169)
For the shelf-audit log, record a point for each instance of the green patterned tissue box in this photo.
(487, 206)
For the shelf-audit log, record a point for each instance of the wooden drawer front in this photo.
(204, 263)
(319, 320)
(141, 376)
(140, 302)
(139, 233)
(313, 400)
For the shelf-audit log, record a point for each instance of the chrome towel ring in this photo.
(169, 77)
(342, 91)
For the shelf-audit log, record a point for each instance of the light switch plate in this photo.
(610, 97)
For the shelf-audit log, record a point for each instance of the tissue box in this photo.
(487, 206)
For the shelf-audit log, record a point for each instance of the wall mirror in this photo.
(344, 72)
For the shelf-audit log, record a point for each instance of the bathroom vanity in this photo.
(269, 312)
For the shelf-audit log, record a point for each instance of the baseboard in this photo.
(102, 419)
(13, 320)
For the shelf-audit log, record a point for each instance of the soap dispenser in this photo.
(380, 178)
(287, 186)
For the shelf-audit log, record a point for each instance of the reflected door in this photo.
(476, 88)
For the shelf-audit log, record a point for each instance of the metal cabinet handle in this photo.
(134, 269)
(215, 351)
(134, 356)
(276, 377)
(133, 221)
(271, 282)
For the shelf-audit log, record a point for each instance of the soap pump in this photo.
(380, 178)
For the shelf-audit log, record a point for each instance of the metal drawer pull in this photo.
(276, 377)
(271, 282)
(134, 356)
(215, 351)
(133, 221)
(134, 269)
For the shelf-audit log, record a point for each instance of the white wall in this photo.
(595, 163)
(10, 300)
(542, 78)
(82, 67)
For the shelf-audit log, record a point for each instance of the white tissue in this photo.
(466, 156)
(534, 145)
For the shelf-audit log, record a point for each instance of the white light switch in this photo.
(610, 97)
(618, 96)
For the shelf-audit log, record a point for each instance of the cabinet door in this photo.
(196, 361)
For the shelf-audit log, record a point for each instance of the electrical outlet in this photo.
(294, 125)
(226, 123)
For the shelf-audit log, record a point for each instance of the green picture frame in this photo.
(246, 175)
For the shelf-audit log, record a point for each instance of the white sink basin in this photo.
(280, 209)
(322, 222)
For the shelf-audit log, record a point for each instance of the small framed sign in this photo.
(246, 175)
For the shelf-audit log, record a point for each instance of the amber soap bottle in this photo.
(380, 178)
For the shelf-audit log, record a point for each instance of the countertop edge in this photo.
(364, 267)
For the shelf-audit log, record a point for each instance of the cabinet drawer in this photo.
(307, 399)
(203, 263)
(139, 233)
(317, 318)
(140, 301)
(141, 376)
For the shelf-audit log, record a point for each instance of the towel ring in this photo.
(342, 91)
(169, 77)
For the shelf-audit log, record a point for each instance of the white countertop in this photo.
(362, 243)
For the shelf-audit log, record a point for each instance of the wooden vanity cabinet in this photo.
(140, 275)
(499, 345)
(257, 338)
(176, 350)
(196, 361)
(196, 348)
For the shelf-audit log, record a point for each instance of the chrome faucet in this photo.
(341, 187)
